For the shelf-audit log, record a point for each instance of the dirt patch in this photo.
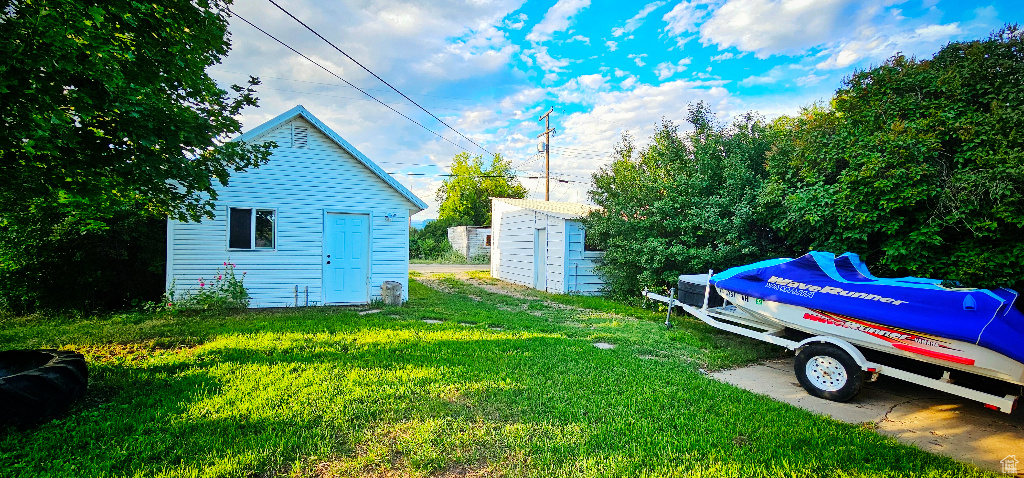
(511, 290)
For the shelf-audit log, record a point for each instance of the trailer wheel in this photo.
(828, 372)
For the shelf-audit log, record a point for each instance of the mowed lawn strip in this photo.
(330, 392)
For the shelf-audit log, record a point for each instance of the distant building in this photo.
(470, 241)
(541, 244)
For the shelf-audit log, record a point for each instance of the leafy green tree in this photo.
(918, 165)
(683, 203)
(465, 196)
(107, 108)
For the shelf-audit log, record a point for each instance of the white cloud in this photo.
(844, 32)
(546, 62)
(620, 73)
(810, 79)
(628, 83)
(875, 44)
(638, 59)
(667, 69)
(579, 38)
(612, 46)
(938, 32)
(684, 17)
(771, 76)
(485, 50)
(516, 22)
(637, 20)
(723, 56)
(557, 19)
(771, 27)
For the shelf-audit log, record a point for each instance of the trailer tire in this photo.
(37, 385)
(827, 371)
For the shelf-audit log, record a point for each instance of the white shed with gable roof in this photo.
(318, 217)
(541, 244)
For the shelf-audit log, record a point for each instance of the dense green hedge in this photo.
(55, 259)
(917, 165)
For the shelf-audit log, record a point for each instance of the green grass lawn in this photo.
(329, 392)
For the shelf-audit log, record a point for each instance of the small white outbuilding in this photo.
(470, 241)
(541, 244)
(318, 217)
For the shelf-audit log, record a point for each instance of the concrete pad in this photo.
(928, 419)
(604, 345)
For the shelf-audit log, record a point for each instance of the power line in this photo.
(338, 84)
(297, 52)
(348, 97)
(374, 75)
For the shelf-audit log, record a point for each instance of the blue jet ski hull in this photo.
(843, 287)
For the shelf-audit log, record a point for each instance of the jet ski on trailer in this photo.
(831, 310)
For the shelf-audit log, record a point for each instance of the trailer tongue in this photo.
(848, 326)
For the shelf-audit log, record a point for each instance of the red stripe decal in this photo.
(933, 354)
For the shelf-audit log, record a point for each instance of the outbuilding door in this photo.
(346, 258)
(540, 259)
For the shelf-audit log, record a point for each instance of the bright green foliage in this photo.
(917, 165)
(107, 107)
(331, 392)
(683, 204)
(221, 290)
(110, 101)
(431, 242)
(465, 196)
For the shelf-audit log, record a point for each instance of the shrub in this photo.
(225, 290)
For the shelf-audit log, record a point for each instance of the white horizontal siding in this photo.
(512, 246)
(301, 184)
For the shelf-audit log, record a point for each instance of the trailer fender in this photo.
(846, 346)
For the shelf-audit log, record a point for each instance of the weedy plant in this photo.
(225, 290)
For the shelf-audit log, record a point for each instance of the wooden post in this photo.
(547, 151)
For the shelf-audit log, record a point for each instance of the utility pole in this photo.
(547, 150)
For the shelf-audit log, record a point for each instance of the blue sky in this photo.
(491, 68)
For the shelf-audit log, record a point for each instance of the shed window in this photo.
(250, 228)
(487, 240)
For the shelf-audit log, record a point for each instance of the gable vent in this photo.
(300, 137)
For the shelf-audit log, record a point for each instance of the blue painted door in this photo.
(346, 258)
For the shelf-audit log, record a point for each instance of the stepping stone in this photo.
(371, 311)
(604, 345)
(495, 327)
(432, 321)
(468, 324)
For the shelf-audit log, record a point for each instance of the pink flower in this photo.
(169, 304)
(243, 273)
(225, 263)
(232, 264)
(201, 285)
(218, 277)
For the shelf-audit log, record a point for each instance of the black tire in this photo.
(37, 385)
(832, 373)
